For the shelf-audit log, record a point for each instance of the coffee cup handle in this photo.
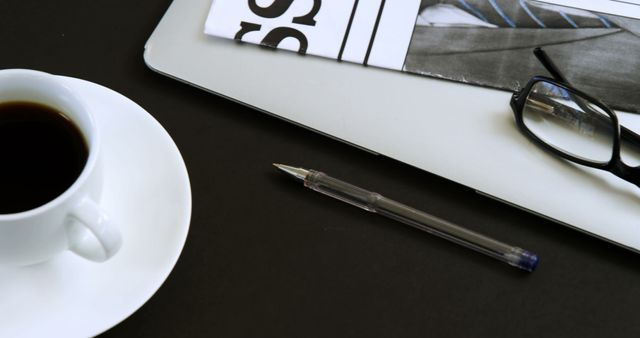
(92, 234)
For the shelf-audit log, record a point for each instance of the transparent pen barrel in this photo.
(450, 231)
(343, 191)
(376, 203)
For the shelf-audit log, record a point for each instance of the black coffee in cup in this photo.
(42, 153)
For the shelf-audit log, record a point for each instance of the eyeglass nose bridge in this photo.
(626, 172)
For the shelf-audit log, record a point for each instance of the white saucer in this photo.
(147, 190)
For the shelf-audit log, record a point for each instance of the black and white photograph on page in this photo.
(489, 43)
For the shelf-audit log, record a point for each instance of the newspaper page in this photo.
(595, 43)
(628, 8)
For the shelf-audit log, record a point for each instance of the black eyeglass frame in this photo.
(615, 165)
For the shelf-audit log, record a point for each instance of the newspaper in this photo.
(595, 43)
(628, 8)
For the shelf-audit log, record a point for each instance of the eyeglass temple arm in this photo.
(549, 65)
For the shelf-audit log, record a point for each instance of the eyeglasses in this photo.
(573, 125)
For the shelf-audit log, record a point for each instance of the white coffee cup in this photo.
(73, 220)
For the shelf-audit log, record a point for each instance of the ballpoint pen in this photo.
(377, 203)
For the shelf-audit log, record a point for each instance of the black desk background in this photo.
(267, 258)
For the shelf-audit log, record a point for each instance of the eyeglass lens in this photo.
(569, 123)
(630, 153)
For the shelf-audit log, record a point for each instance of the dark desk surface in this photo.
(267, 258)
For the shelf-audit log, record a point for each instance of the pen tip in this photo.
(298, 173)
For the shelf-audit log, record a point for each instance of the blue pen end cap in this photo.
(528, 261)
